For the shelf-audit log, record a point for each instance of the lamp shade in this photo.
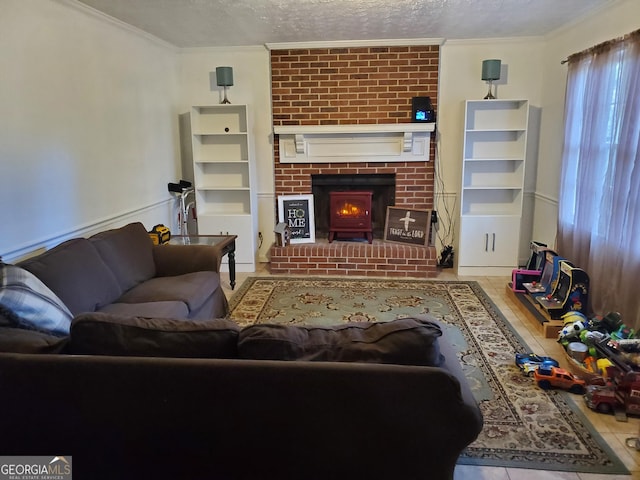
(490, 69)
(224, 76)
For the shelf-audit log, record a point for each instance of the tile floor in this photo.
(612, 431)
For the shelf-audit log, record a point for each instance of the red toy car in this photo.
(549, 377)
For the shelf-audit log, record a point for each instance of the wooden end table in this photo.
(224, 244)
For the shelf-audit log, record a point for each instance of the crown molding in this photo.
(596, 12)
(92, 12)
(483, 41)
(402, 42)
(227, 49)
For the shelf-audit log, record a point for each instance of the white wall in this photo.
(252, 86)
(89, 125)
(533, 72)
(619, 18)
(88, 131)
(460, 80)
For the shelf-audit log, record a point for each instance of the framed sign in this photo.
(405, 225)
(297, 212)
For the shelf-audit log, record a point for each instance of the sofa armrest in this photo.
(173, 260)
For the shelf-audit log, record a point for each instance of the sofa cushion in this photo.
(174, 309)
(191, 288)
(105, 334)
(26, 302)
(75, 272)
(128, 252)
(19, 340)
(407, 341)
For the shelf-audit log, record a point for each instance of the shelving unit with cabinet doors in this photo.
(218, 157)
(493, 182)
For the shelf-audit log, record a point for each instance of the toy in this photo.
(611, 321)
(572, 317)
(590, 338)
(571, 332)
(591, 364)
(547, 378)
(603, 364)
(570, 292)
(529, 362)
(623, 393)
(623, 332)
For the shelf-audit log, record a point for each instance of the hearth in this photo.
(381, 185)
(350, 215)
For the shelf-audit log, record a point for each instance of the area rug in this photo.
(524, 426)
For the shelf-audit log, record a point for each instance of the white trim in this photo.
(481, 41)
(485, 271)
(353, 128)
(399, 42)
(396, 142)
(84, 8)
(592, 13)
(119, 219)
(229, 49)
(546, 198)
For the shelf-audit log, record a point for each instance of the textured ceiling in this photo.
(207, 23)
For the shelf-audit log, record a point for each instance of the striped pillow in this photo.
(28, 303)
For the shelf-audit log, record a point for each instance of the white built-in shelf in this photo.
(220, 162)
(492, 191)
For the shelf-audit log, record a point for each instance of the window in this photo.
(599, 200)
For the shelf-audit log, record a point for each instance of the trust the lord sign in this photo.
(404, 225)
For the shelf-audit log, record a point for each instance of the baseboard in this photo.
(485, 271)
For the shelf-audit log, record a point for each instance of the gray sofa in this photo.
(122, 272)
(120, 396)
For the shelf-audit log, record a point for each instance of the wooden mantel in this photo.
(393, 142)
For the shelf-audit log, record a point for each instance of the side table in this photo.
(225, 245)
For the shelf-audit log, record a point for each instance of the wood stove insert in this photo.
(350, 215)
(383, 187)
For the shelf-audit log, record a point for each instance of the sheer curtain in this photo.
(599, 200)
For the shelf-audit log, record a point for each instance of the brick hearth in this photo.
(364, 85)
(357, 258)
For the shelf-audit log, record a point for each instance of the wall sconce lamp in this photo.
(224, 78)
(490, 72)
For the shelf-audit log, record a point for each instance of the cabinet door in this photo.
(489, 241)
(231, 225)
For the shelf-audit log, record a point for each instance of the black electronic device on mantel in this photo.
(421, 110)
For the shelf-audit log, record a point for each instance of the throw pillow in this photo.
(106, 334)
(406, 341)
(26, 302)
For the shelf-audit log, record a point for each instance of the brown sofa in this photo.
(122, 272)
(120, 397)
(230, 419)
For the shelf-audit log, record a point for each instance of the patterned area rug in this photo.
(524, 426)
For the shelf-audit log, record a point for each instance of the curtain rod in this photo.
(600, 46)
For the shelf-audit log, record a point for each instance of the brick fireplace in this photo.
(342, 87)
